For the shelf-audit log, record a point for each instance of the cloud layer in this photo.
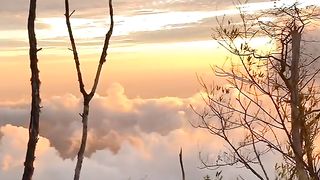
(122, 132)
(114, 119)
(159, 162)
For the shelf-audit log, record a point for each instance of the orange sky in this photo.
(147, 70)
(156, 50)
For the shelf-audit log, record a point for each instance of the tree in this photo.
(35, 102)
(181, 165)
(272, 96)
(86, 96)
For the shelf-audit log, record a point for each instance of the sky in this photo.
(140, 116)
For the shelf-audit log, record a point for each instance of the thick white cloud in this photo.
(155, 158)
(114, 119)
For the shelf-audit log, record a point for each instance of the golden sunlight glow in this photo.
(83, 28)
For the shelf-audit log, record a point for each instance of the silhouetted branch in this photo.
(35, 87)
(181, 164)
(86, 96)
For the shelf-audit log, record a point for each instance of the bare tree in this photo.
(35, 87)
(181, 165)
(86, 96)
(272, 95)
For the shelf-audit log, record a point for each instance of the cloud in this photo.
(136, 22)
(122, 132)
(13, 147)
(158, 161)
(131, 17)
(122, 6)
(187, 32)
(113, 120)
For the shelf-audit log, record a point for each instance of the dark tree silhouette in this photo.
(35, 87)
(86, 96)
(181, 165)
(271, 97)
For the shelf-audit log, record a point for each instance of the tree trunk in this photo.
(181, 165)
(35, 104)
(80, 157)
(296, 119)
(86, 96)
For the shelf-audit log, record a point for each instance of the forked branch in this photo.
(86, 96)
